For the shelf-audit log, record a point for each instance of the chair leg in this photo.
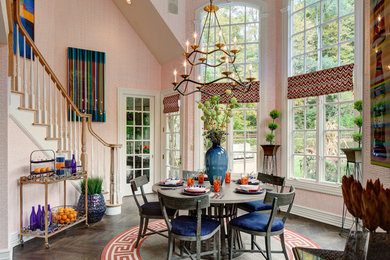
(145, 226)
(218, 234)
(141, 225)
(181, 248)
(252, 244)
(231, 239)
(198, 249)
(268, 247)
(283, 245)
(170, 246)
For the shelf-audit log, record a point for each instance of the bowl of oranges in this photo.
(64, 215)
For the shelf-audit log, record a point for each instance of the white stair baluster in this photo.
(32, 79)
(25, 74)
(44, 99)
(18, 82)
(92, 168)
(55, 111)
(49, 114)
(60, 113)
(104, 169)
(38, 100)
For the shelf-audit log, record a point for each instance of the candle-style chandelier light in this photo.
(200, 58)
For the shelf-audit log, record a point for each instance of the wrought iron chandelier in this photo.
(200, 58)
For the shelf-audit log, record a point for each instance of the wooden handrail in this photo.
(52, 75)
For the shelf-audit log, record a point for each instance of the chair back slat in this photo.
(190, 203)
(272, 179)
(138, 183)
(284, 199)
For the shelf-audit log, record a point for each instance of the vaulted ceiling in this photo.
(151, 28)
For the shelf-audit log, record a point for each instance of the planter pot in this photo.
(96, 207)
(354, 155)
(270, 149)
(216, 162)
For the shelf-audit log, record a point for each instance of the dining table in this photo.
(223, 204)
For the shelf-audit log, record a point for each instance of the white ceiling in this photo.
(151, 28)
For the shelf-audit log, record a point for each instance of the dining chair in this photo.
(147, 210)
(260, 224)
(189, 228)
(259, 205)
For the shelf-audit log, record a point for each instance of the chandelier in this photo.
(200, 58)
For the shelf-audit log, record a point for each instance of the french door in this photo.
(137, 123)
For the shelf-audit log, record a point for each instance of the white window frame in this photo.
(262, 7)
(164, 94)
(287, 154)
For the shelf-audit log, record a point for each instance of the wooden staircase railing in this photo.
(42, 92)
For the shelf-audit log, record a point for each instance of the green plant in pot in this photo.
(271, 148)
(355, 154)
(96, 201)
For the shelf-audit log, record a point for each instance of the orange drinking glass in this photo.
(227, 177)
(201, 178)
(190, 181)
(217, 183)
(244, 179)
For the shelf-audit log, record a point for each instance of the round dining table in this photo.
(223, 204)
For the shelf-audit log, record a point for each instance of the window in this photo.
(240, 21)
(321, 36)
(172, 145)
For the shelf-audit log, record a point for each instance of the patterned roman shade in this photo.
(251, 96)
(322, 82)
(171, 103)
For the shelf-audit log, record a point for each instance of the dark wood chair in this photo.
(259, 205)
(190, 228)
(147, 210)
(259, 224)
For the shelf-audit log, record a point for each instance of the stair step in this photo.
(28, 109)
(40, 124)
(108, 204)
(104, 192)
(17, 92)
(52, 138)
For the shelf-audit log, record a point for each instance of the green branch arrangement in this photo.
(216, 117)
(274, 114)
(358, 121)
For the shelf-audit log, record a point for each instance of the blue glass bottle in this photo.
(49, 215)
(33, 220)
(38, 217)
(73, 164)
(42, 220)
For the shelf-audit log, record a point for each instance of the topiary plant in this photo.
(274, 114)
(358, 121)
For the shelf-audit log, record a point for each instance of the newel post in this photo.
(84, 144)
(112, 175)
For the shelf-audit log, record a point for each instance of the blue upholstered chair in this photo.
(259, 224)
(259, 205)
(189, 228)
(147, 210)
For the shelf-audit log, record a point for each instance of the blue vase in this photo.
(216, 162)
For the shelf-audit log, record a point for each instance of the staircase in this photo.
(42, 108)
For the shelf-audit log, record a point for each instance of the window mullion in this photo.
(321, 141)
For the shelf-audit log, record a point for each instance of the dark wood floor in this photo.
(84, 243)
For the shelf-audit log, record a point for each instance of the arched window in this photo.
(239, 22)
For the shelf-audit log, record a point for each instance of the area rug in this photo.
(153, 247)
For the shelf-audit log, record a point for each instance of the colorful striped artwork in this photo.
(86, 81)
(380, 82)
(27, 17)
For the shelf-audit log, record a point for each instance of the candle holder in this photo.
(174, 83)
(194, 46)
(219, 45)
(235, 51)
(186, 54)
(202, 59)
(250, 79)
(184, 76)
(227, 73)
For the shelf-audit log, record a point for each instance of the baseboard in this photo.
(5, 255)
(14, 239)
(320, 216)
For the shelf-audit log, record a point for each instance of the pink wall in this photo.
(96, 25)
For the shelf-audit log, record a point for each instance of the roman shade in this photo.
(334, 80)
(171, 103)
(242, 96)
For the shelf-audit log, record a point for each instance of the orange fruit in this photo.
(67, 220)
(48, 169)
(64, 217)
(43, 169)
(61, 210)
(37, 171)
(61, 221)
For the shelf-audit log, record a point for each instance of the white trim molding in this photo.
(320, 216)
(5, 255)
(332, 189)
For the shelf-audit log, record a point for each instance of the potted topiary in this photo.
(96, 201)
(355, 154)
(271, 148)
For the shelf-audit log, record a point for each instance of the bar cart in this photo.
(49, 177)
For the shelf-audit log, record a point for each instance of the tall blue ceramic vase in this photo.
(216, 162)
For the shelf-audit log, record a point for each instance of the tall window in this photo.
(322, 36)
(172, 144)
(241, 22)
